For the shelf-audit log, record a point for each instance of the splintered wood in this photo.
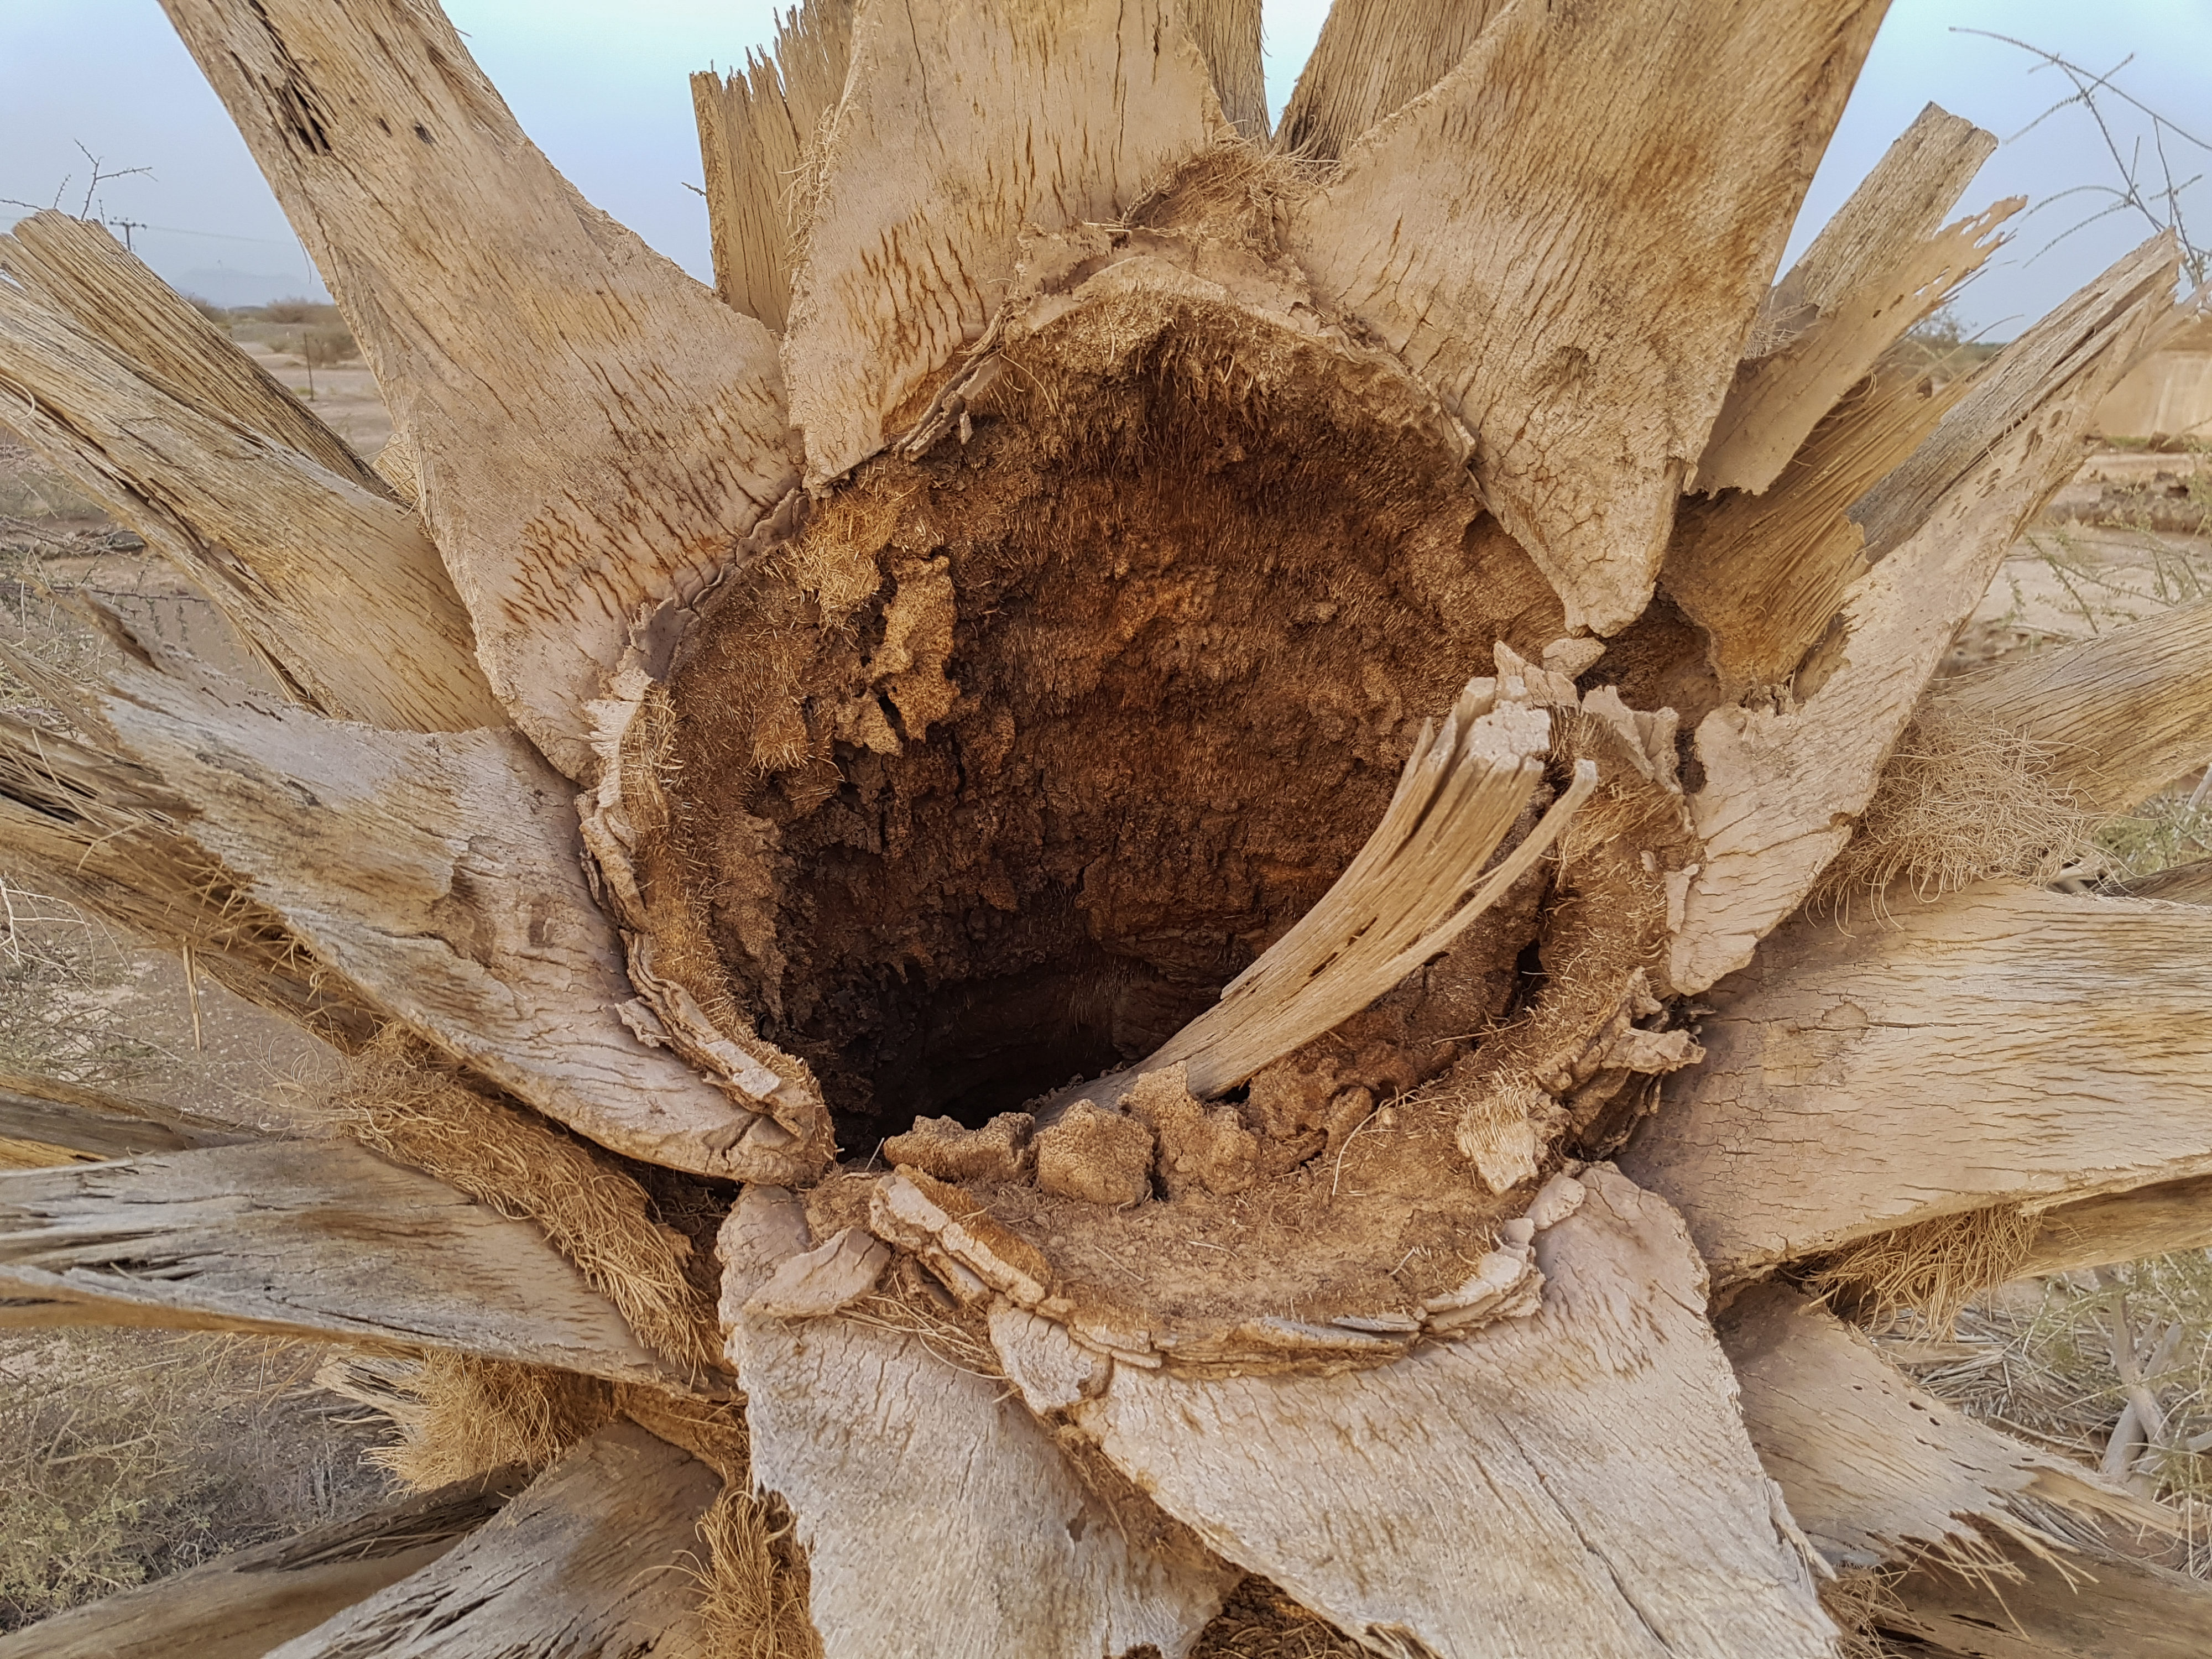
(1413, 888)
(1462, 232)
(307, 1239)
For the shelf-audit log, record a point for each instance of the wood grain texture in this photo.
(963, 122)
(1569, 236)
(1879, 1471)
(2115, 1227)
(2183, 884)
(334, 585)
(1573, 1482)
(596, 1559)
(314, 1239)
(1227, 36)
(91, 1124)
(75, 267)
(241, 1605)
(1783, 784)
(443, 875)
(1374, 56)
(940, 1521)
(2123, 714)
(2001, 1045)
(593, 430)
(2126, 1609)
(755, 125)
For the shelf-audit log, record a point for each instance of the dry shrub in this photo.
(401, 1100)
(756, 1586)
(1963, 800)
(1936, 1268)
(458, 1415)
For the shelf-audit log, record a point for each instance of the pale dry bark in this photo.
(595, 1558)
(442, 876)
(2122, 714)
(2126, 1226)
(332, 583)
(754, 128)
(2111, 1607)
(2001, 1046)
(313, 1239)
(939, 1517)
(1574, 1481)
(2185, 884)
(964, 121)
(593, 431)
(239, 1606)
(1462, 232)
(1372, 57)
(1874, 270)
(1227, 36)
(87, 1123)
(1783, 784)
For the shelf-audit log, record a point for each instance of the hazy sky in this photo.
(602, 88)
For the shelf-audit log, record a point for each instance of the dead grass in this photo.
(756, 1588)
(1934, 1268)
(457, 1415)
(400, 1100)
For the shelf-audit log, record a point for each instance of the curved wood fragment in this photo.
(964, 121)
(755, 126)
(1374, 56)
(2001, 1046)
(81, 1123)
(1573, 1482)
(598, 1556)
(1783, 784)
(594, 431)
(312, 1239)
(1589, 348)
(2123, 714)
(939, 1517)
(2056, 1609)
(2182, 884)
(2126, 1226)
(443, 875)
(332, 584)
(239, 1606)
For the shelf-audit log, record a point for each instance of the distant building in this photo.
(2167, 396)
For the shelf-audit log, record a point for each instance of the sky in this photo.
(602, 88)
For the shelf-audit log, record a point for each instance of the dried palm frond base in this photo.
(401, 1099)
(1963, 800)
(458, 1416)
(1934, 1268)
(754, 1605)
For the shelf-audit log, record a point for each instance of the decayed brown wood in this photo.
(76, 267)
(755, 126)
(1783, 784)
(239, 1606)
(1876, 269)
(939, 1517)
(443, 875)
(1879, 1471)
(2114, 1227)
(593, 431)
(1572, 1482)
(316, 1239)
(2124, 713)
(597, 1558)
(333, 584)
(1765, 574)
(2002, 1045)
(1588, 350)
(87, 1123)
(964, 121)
(1227, 36)
(1372, 57)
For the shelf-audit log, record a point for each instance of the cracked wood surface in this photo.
(332, 584)
(939, 1518)
(1576, 1481)
(1568, 237)
(596, 1559)
(964, 121)
(594, 431)
(239, 1606)
(442, 874)
(2002, 1045)
(1783, 784)
(318, 1239)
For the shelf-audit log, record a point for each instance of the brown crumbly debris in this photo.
(1199, 1149)
(1096, 1156)
(942, 1146)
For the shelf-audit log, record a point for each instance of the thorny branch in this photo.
(99, 176)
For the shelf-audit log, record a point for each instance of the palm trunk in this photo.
(1098, 592)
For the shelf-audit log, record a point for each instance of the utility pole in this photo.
(127, 226)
